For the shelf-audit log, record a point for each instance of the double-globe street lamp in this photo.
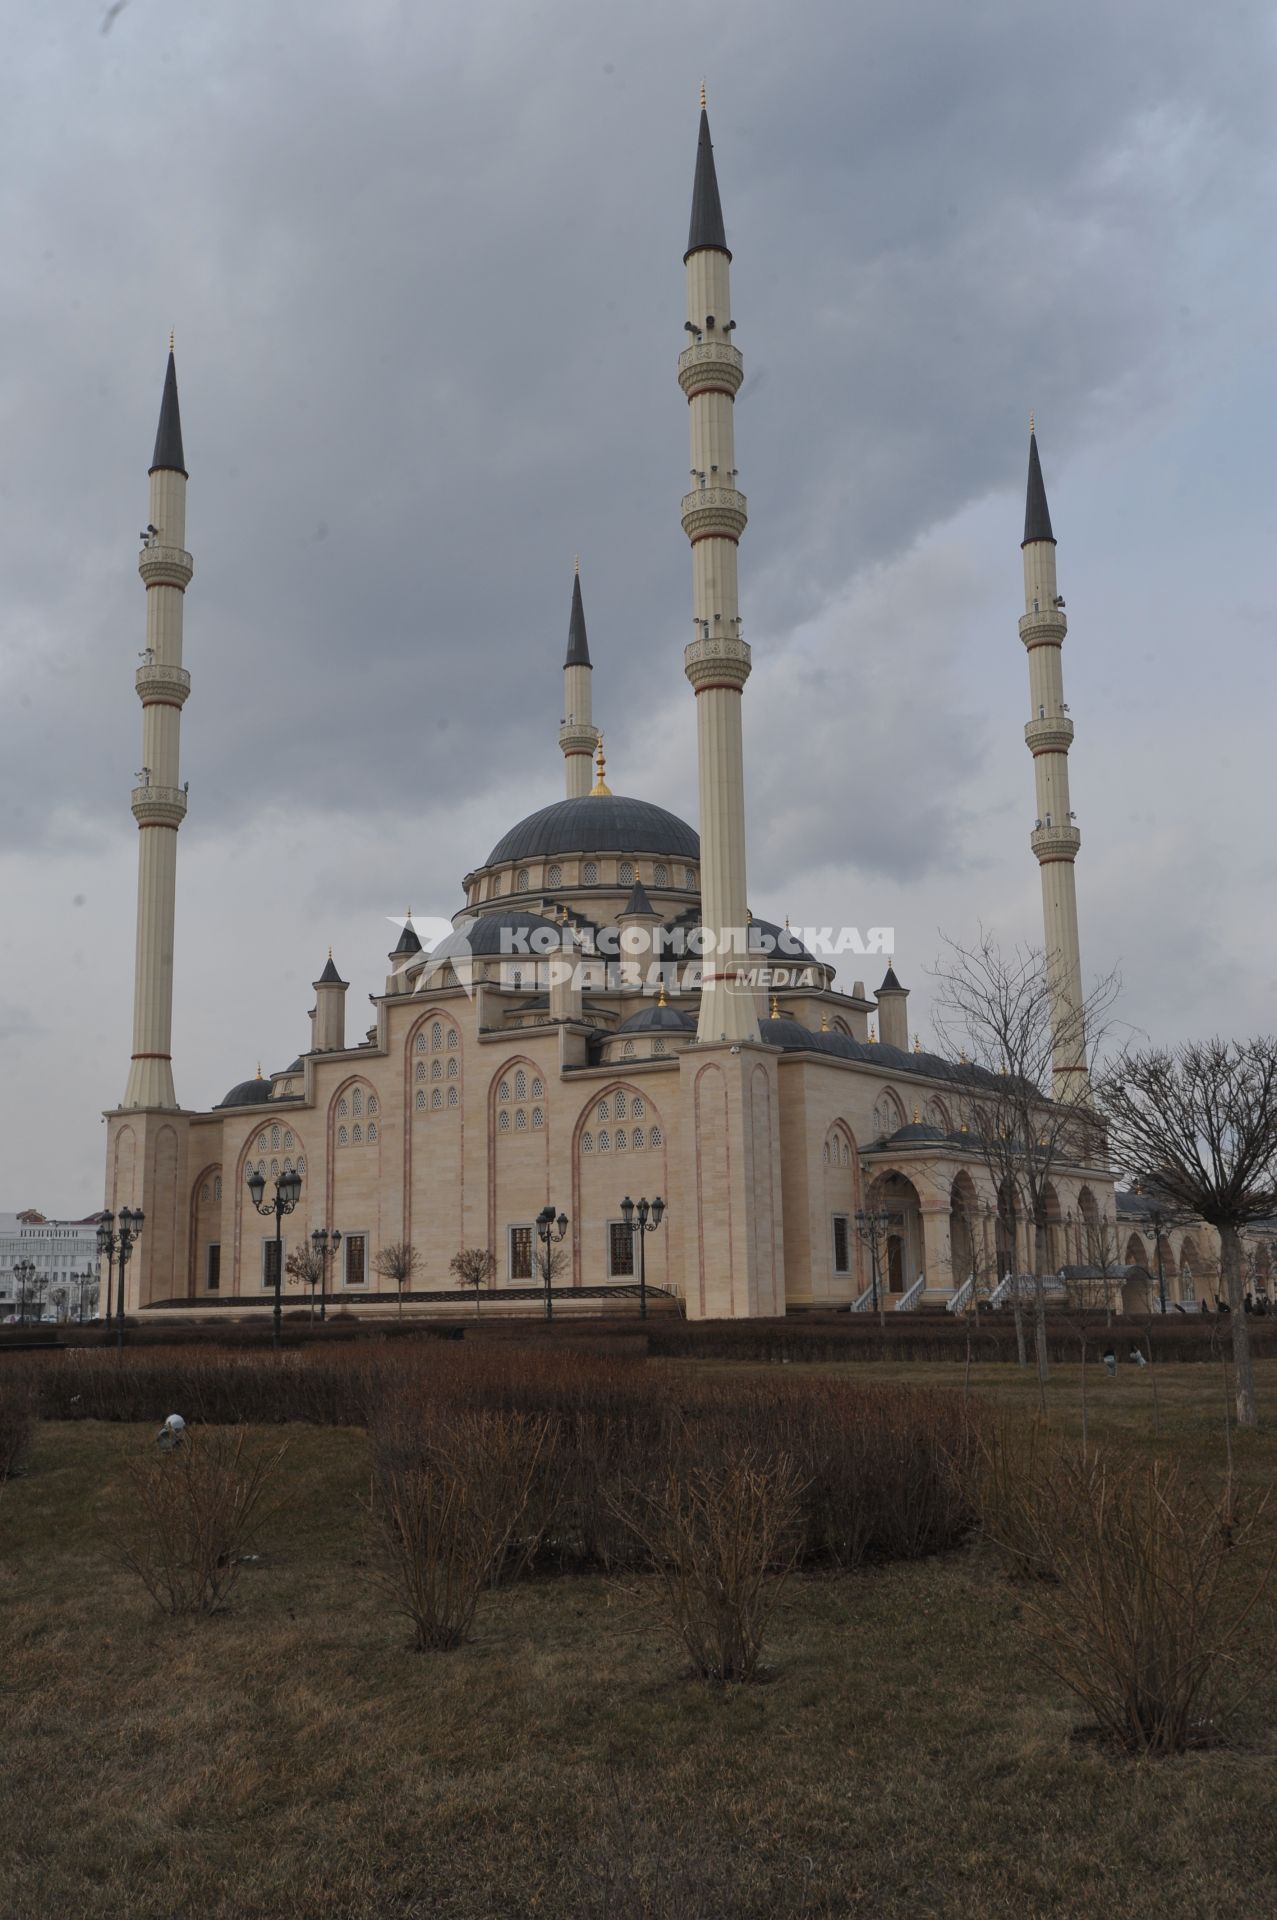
(118, 1245)
(546, 1225)
(288, 1191)
(872, 1227)
(23, 1274)
(638, 1221)
(325, 1245)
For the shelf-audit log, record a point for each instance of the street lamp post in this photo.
(24, 1274)
(83, 1281)
(106, 1247)
(546, 1234)
(288, 1191)
(325, 1245)
(638, 1222)
(130, 1228)
(871, 1226)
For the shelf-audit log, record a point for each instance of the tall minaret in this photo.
(717, 661)
(577, 736)
(1055, 840)
(159, 801)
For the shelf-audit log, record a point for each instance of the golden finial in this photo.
(259, 1069)
(916, 1115)
(578, 566)
(917, 1043)
(1032, 428)
(775, 1009)
(702, 96)
(824, 1020)
(661, 1000)
(330, 953)
(170, 339)
(600, 785)
(873, 1034)
(786, 923)
(409, 914)
(964, 1128)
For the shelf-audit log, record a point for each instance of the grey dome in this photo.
(658, 1019)
(483, 936)
(598, 823)
(249, 1093)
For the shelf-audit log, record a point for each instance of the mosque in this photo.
(608, 1018)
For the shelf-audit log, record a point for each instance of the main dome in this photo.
(598, 823)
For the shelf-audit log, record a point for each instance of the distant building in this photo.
(59, 1250)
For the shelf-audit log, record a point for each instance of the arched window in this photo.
(689, 877)
(301, 1168)
(520, 1085)
(452, 1069)
(421, 1097)
(658, 1046)
(503, 1122)
(436, 1069)
(452, 1096)
(621, 1142)
(637, 1109)
(357, 1101)
(342, 1108)
(520, 1121)
(343, 1138)
(538, 1116)
(826, 1153)
(587, 1143)
(436, 1035)
(421, 1070)
(627, 1051)
(453, 1038)
(288, 1139)
(421, 1043)
(625, 873)
(206, 1191)
(537, 1089)
(604, 1112)
(522, 880)
(590, 874)
(503, 1091)
(638, 1137)
(274, 1136)
(621, 1103)
(654, 1137)
(217, 1187)
(554, 876)
(436, 1096)
(274, 1165)
(356, 1135)
(660, 878)
(288, 1165)
(605, 1141)
(373, 1106)
(372, 1130)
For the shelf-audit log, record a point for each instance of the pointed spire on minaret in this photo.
(168, 456)
(706, 229)
(578, 646)
(1037, 515)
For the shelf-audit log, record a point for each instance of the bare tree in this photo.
(474, 1267)
(1200, 1120)
(60, 1298)
(398, 1262)
(1002, 1031)
(306, 1264)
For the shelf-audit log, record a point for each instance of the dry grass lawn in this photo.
(292, 1758)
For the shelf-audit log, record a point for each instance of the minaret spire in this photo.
(577, 735)
(1049, 734)
(717, 662)
(159, 801)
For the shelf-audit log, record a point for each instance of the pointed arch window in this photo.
(452, 1096)
(372, 1130)
(587, 1143)
(538, 1117)
(638, 1137)
(554, 876)
(452, 1069)
(421, 1043)
(590, 874)
(373, 1105)
(621, 1142)
(654, 1137)
(343, 1107)
(503, 1121)
(436, 1096)
(421, 1097)
(343, 1137)
(537, 1089)
(520, 1121)
(627, 1051)
(421, 1070)
(625, 873)
(604, 1111)
(436, 1035)
(453, 1037)
(660, 878)
(520, 1085)
(621, 1103)
(605, 1141)
(436, 1069)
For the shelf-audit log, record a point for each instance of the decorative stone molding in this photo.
(712, 363)
(159, 806)
(165, 566)
(578, 737)
(713, 510)
(1045, 629)
(717, 660)
(1049, 736)
(162, 683)
(1055, 843)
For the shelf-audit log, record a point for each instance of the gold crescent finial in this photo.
(662, 1001)
(824, 1020)
(873, 1034)
(578, 566)
(702, 96)
(171, 335)
(600, 786)
(259, 1069)
(330, 953)
(775, 1009)
(1032, 428)
(916, 1115)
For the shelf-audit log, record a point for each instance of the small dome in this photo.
(915, 1134)
(249, 1093)
(598, 823)
(295, 1068)
(658, 1019)
(484, 936)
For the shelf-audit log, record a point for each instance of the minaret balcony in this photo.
(162, 566)
(159, 806)
(171, 684)
(717, 658)
(714, 510)
(1049, 736)
(1046, 628)
(711, 363)
(1055, 843)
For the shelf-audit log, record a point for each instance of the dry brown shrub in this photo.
(192, 1514)
(450, 1492)
(1148, 1581)
(721, 1528)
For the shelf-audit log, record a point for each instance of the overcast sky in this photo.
(425, 270)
